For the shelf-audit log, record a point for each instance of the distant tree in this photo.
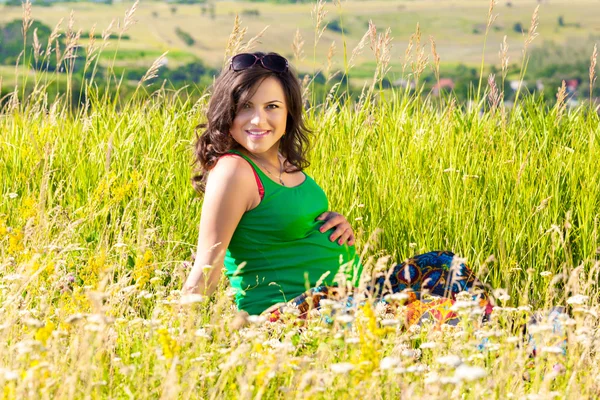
(561, 21)
(11, 41)
(173, 10)
(335, 26)
(517, 27)
(251, 12)
(186, 37)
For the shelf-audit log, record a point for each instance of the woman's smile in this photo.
(257, 133)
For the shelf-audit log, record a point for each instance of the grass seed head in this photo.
(27, 16)
(561, 105)
(491, 16)
(358, 49)
(36, 46)
(106, 33)
(235, 39)
(318, 14)
(129, 21)
(298, 46)
(330, 55)
(253, 41)
(436, 58)
(532, 33)
(494, 95)
(504, 57)
(593, 62)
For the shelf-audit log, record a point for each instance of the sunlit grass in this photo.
(98, 224)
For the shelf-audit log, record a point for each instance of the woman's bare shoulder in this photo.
(233, 174)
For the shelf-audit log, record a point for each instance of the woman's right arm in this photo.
(230, 192)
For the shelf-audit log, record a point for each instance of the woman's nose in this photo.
(258, 117)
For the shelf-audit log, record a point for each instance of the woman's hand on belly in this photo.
(343, 232)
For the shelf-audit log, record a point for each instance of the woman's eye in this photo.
(272, 106)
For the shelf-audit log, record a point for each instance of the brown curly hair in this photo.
(230, 92)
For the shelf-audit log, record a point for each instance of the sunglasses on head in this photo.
(272, 62)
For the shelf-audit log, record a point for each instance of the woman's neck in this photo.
(268, 157)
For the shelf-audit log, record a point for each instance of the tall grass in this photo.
(98, 224)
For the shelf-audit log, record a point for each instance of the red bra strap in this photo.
(261, 189)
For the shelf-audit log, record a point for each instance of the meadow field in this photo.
(98, 227)
(457, 26)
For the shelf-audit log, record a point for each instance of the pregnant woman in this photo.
(267, 222)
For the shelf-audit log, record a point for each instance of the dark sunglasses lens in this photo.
(274, 63)
(242, 61)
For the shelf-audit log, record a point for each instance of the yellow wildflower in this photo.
(3, 227)
(120, 192)
(28, 208)
(103, 187)
(49, 269)
(45, 332)
(170, 347)
(15, 242)
(136, 178)
(142, 271)
(90, 274)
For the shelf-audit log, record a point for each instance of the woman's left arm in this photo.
(343, 232)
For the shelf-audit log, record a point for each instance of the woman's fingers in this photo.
(332, 221)
(351, 240)
(343, 230)
(323, 216)
(345, 237)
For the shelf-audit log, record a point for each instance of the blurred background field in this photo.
(197, 33)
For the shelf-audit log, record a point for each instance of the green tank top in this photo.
(277, 251)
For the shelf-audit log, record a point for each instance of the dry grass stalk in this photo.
(532, 33)
(72, 45)
(58, 53)
(305, 88)
(436, 59)
(491, 16)
(128, 21)
(36, 46)
(561, 105)
(372, 35)
(383, 49)
(358, 49)
(235, 39)
(106, 33)
(420, 62)
(71, 24)
(330, 55)
(494, 96)
(253, 41)
(504, 57)
(53, 36)
(13, 102)
(72, 40)
(297, 46)
(152, 71)
(91, 47)
(27, 18)
(593, 61)
(408, 53)
(318, 13)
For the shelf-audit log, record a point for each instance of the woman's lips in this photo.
(258, 133)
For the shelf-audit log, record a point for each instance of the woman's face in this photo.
(260, 123)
